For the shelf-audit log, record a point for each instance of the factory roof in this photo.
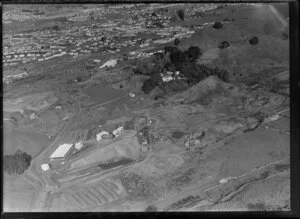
(61, 151)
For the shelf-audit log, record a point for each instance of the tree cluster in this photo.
(17, 163)
(173, 59)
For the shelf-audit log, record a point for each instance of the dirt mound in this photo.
(203, 89)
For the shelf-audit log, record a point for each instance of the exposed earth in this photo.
(217, 142)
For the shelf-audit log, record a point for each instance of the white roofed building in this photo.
(78, 145)
(101, 134)
(109, 63)
(61, 151)
(45, 167)
(118, 131)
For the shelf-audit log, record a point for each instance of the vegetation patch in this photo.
(217, 25)
(257, 206)
(151, 208)
(254, 40)
(282, 167)
(185, 202)
(17, 163)
(164, 65)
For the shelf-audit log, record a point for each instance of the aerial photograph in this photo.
(146, 107)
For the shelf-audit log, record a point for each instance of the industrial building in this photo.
(45, 167)
(118, 131)
(78, 145)
(61, 151)
(100, 135)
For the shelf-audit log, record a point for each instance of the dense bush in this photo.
(148, 86)
(151, 208)
(217, 25)
(254, 40)
(17, 163)
(56, 28)
(193, 53)
(129, 125)
(103, 39)
(177, 57)
(224, 45)
(170, 49)
(174, 86)
(151, 83)
(180, 14)
(176, 42)
(154, 14)
(155, 78)
(146, 67)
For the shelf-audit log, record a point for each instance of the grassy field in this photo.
(30, 142)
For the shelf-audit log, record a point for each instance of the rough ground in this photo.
(216, 146)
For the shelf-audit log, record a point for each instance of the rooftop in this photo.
(61, 151)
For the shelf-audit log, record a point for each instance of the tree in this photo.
(217, 25)
(180, 14)
(155, 78)
(254, 40)
(176, 42)
(170, 49)
(224, 45)
(78, 78)
(148, 86)
(92, 15)
(103, 39)
(17, 163)
(193, 53)
(177, 57)
(56, 28)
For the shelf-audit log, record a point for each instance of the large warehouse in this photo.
(61, 151)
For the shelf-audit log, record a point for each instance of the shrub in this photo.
(176, 42)
(148, 86)
(180, 14)
(194, 73)
(151, 208)
(217, 25)
(254, 40)
(103, 39)
(193, 53)
(56, 28)
(224, 45)
(155, 78)
(170, 49)
(177, 57)
(129, 125)
(175, 86)
(221, 73)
